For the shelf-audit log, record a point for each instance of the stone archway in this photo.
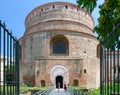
(59, 73)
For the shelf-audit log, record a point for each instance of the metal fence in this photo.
(9, 62)
(110, 64)
(43, 92)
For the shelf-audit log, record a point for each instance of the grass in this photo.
(77, 87)
(26, 88)
(109, 88)
(22, 88)
(90, 91)
(95, 92)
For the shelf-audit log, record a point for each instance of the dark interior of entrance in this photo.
(59, 79)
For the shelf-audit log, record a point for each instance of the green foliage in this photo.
(115, 87)
(9, 67)
(108, 28)
(90, 91)
(26, 88)
(109, 21)
(88, 5)
(95, 92)
(22, 88)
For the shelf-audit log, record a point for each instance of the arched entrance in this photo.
(59, 79)
(59, 73)
(42, 83)
(76, 83)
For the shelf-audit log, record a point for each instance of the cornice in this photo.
(71, 32)
(52, 21)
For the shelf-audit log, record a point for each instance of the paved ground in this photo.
(61, 92)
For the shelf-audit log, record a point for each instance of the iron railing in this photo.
(9, 62)
(43, 92)
(78, 91)
(110, 64)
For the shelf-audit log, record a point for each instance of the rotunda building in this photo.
(59, 46)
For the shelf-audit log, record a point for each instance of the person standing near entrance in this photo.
(65, 87)
(58, 85)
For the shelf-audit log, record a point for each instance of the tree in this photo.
(108, 22)
(9, 67)
(88, 5)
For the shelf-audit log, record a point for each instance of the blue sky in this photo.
(14, 12)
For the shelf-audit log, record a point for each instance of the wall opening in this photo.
(85, 71)
(76, 83)
(59, 45)
(60, 80)
(66, 7)
(42, 83)
(53, 6)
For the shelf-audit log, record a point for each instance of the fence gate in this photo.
(110, 65)
(9, 62)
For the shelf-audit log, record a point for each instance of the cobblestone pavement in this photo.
(61, 92)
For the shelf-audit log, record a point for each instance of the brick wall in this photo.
(37, 58)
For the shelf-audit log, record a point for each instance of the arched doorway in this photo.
(59, 79)
(42, 83)
(59, 73)
(76, 83)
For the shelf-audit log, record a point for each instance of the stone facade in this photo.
(59, 45)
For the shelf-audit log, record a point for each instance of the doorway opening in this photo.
(76, 83)
(42, 83)
(59, 79)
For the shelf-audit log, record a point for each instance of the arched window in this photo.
(59, 45)
(42, 83)
(76, 83)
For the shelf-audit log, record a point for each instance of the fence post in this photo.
(110, 63)
(9, 62)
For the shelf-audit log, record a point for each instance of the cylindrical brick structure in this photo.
(59, 46)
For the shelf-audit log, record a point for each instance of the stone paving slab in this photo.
(61, 92)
